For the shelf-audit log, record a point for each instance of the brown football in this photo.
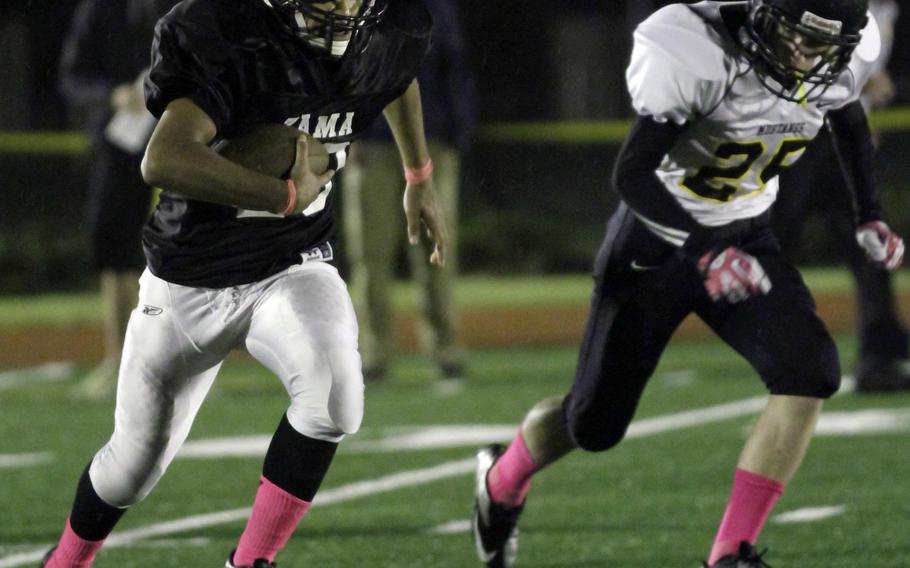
(270, 149)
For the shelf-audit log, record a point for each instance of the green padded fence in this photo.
(549, 132)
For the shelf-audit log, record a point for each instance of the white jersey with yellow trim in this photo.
(687, 68)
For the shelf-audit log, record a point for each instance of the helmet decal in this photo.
(811, 21)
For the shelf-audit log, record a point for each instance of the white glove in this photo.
(882, 246)
(733, 275)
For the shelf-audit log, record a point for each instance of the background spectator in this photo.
(104, 59)
(372, 211)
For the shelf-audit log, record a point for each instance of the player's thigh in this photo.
(173, 336)
(642, 293)
(165, 372)
(305, 331)
(780, 334)
(624, 338)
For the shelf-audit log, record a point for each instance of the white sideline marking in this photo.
(471, 435)
(46, 373)
(698, 417)
(638, 429)
(830, 423)
(877, 421)
(25, 460)
(809, 514)
(438, 437)
(460, 526)
(234, 447)
(419, 439)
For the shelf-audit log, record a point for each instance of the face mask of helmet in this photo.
(326, 27)
(796, 53)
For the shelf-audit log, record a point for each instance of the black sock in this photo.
(297, 463)
(92, 518)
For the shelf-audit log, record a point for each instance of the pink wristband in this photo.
(417, 175)
(292, 199)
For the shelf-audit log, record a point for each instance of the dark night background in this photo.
(536, 207)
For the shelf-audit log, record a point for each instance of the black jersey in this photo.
(237, 61)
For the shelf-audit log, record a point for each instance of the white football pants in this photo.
(299, 323)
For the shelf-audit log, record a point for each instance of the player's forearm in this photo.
(196, 171)
(405, 118)
(856, 151)
(635, 177)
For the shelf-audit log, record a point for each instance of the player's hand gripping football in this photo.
(881, 245)
(308, 183)
(733, 275)
(421, 205)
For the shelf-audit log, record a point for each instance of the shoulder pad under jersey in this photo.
(870, 46)
(680, 65)
(849, 86)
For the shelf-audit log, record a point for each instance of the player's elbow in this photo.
(165, 165)
(153, 168)
(623, 178)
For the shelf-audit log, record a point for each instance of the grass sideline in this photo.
(473, 292)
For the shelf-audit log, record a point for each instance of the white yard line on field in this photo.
(25, 460)
(809, 514)
(863, 422)
(638, 429)
(46, 373)
(451, 436)
(458, 526)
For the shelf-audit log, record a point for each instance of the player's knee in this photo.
(122, 486)
(346, 394)
(816, 385)
(596, 440)
(828, 385)
(828, 374)
(816, 377)
(591, 425)
(592, 432)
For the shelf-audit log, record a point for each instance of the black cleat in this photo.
(259, 563)
(47, 556)
(747, 557)
(877, 374)
(495, 526)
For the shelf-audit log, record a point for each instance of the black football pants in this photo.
(644, 289)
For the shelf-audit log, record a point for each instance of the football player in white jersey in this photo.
(728, 94)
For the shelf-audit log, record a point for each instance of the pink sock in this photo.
(276, 514)
(510, 477)
(73, 551)
(751, 501)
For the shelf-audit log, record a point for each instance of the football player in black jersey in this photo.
(240, 259)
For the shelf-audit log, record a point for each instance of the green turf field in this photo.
(653, 501)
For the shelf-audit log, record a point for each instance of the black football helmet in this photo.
(831, 27)
(326, 29)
